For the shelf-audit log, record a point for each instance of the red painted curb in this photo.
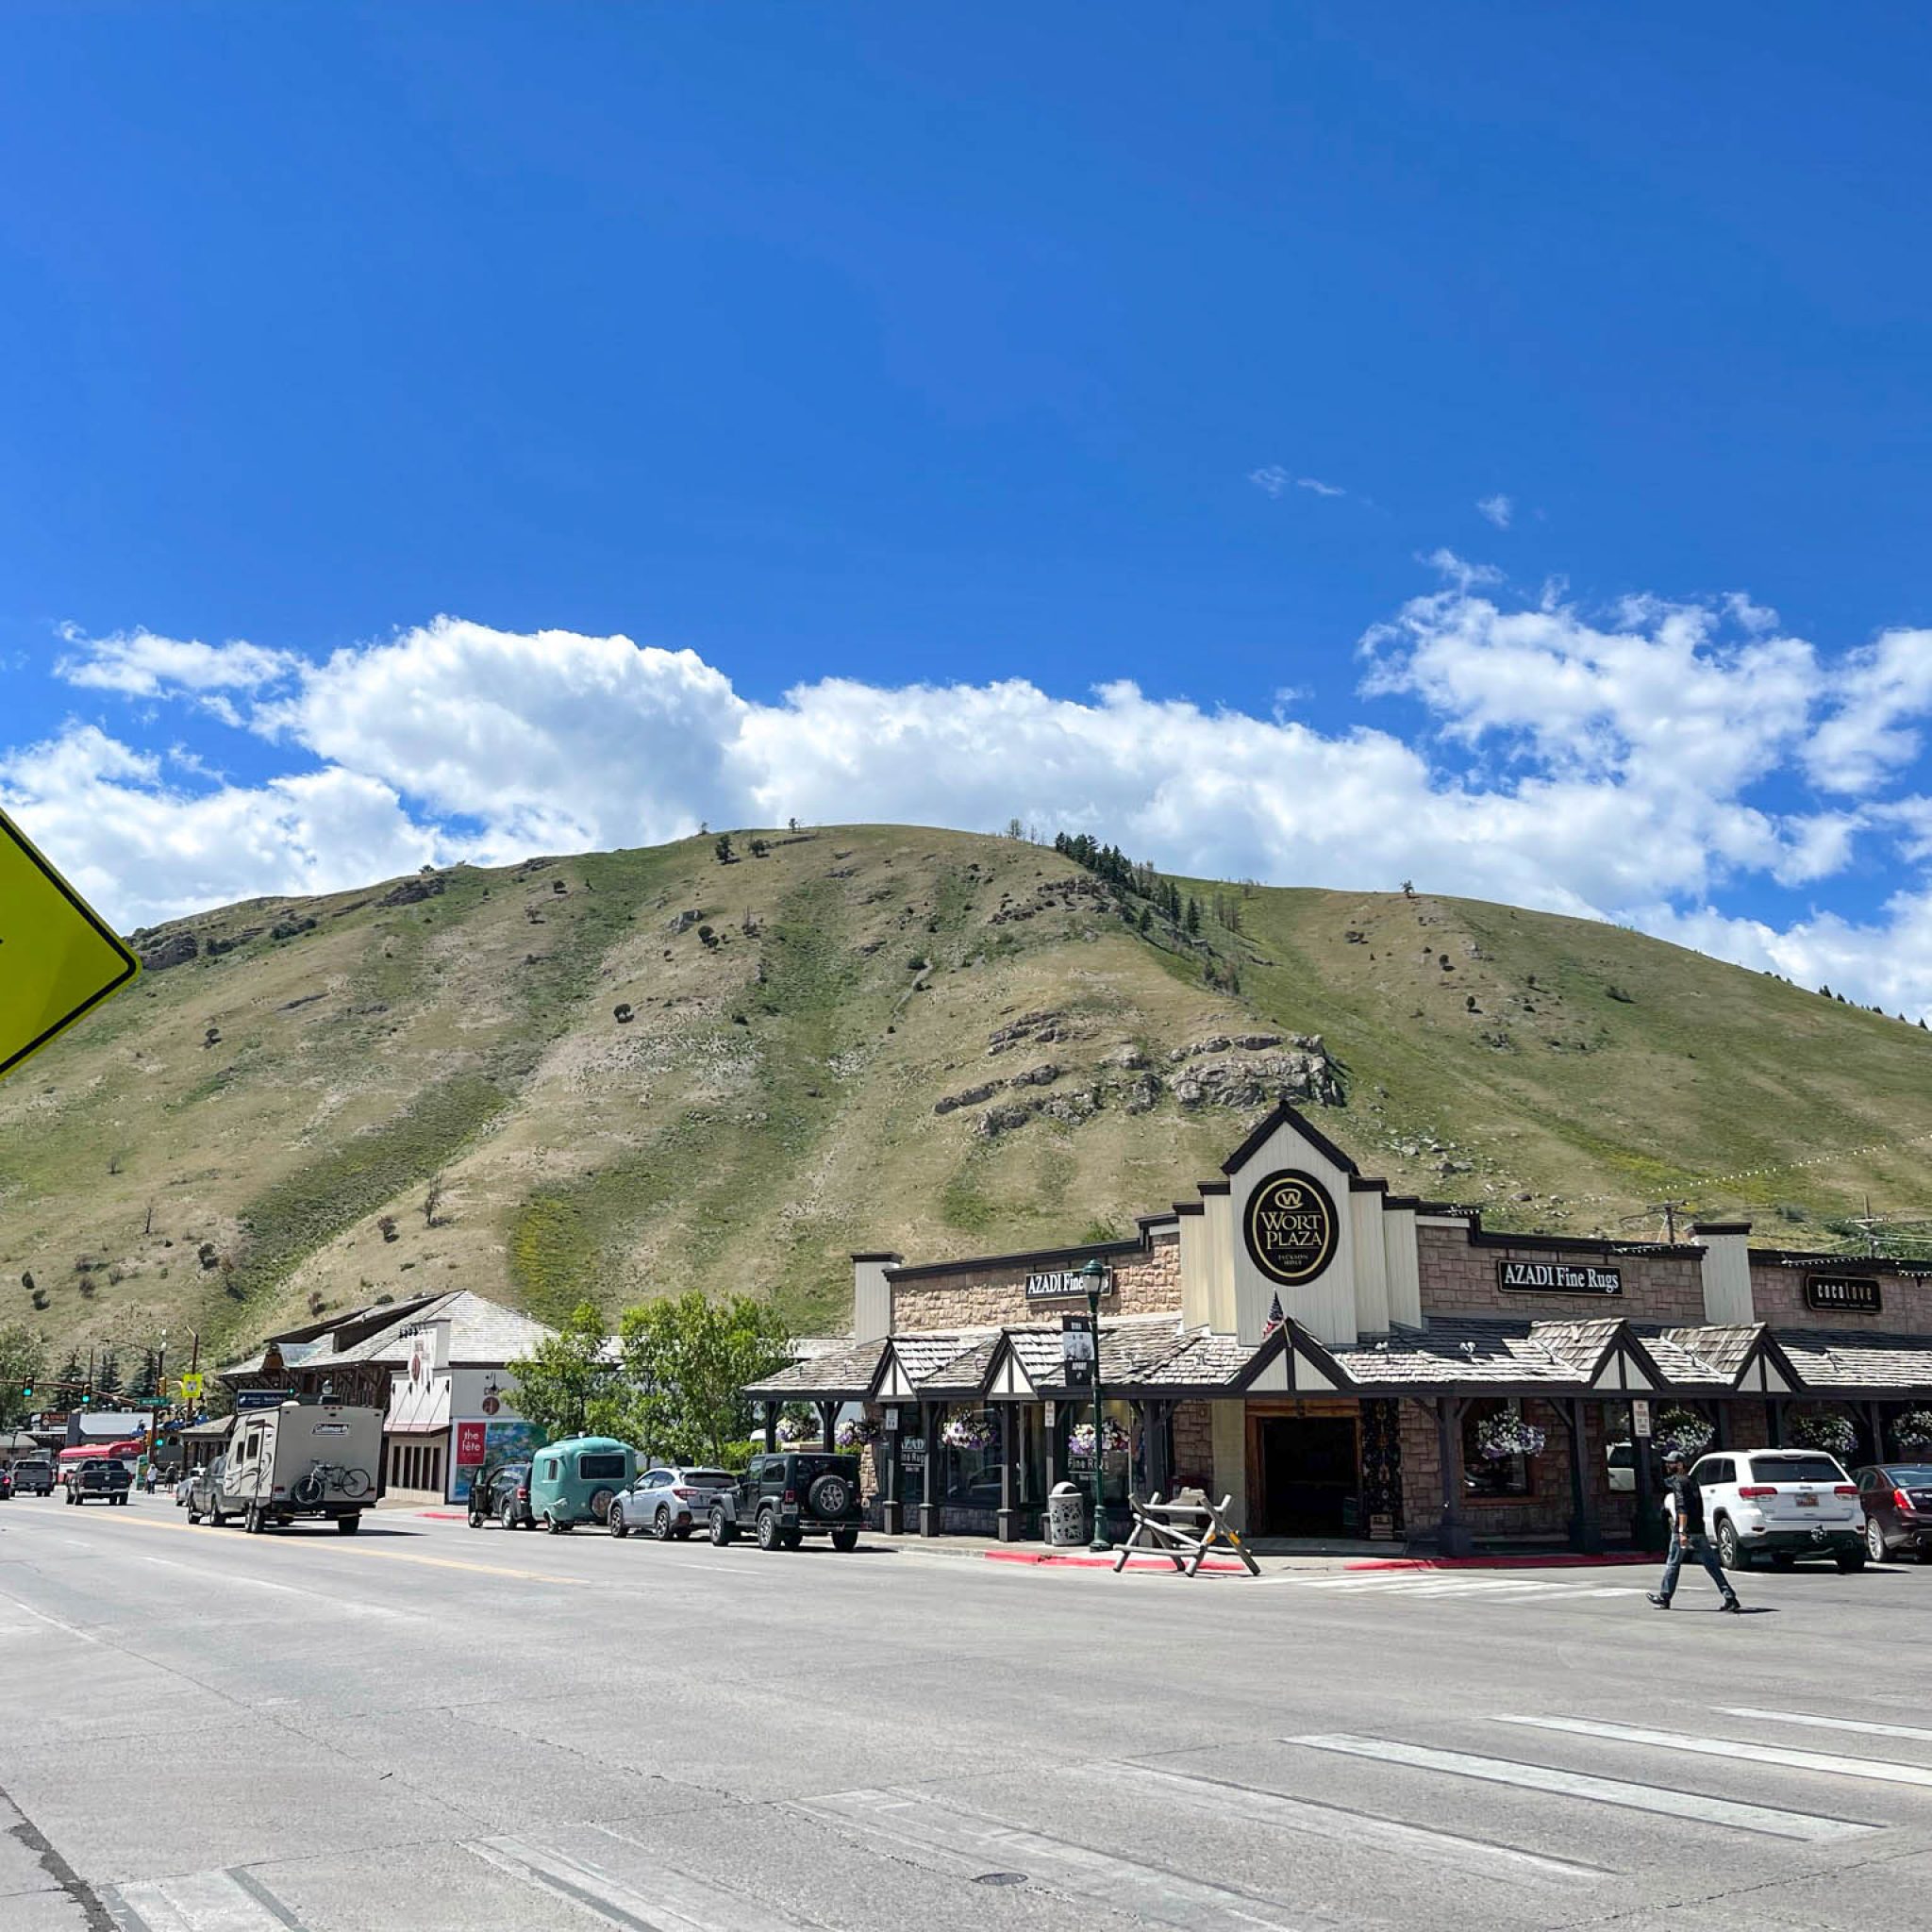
(1039, 1559)
(1560, 1562)
(444, 1515)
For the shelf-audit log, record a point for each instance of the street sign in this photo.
(262, 1398)
(1640, 1418)
(58, 958)
(191, 1389)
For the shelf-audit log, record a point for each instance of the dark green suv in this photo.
(782, 1499)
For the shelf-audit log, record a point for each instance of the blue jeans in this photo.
(1701, 1549)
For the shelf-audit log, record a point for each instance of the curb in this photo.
(1041, 1560)
(1561, 1562)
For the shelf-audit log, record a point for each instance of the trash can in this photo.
(1066, 1517)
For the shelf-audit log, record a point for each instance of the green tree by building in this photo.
(565, 1384)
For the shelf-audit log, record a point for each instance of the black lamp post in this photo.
(1094, 1275)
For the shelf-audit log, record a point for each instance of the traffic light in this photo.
(27, 1390)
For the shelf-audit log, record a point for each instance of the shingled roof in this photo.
(845, 1372)
(1830, 1362)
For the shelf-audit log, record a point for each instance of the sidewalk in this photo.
(1275, 1556)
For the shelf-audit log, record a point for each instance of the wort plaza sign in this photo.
(1558, 1277)
(1290, 1227)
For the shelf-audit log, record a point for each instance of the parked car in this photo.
(667, 1502)
(98, 1480)
(205, 1491)
(1781, 1503)
(784, 1498)
(33, 1476)
(183, 1489)
(1619, 1461)
(577, 1480)
(1897, 1501)
(503, 1495)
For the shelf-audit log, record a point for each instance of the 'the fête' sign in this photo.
(1558, 1277)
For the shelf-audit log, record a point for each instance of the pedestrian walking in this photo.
(1684, 1502)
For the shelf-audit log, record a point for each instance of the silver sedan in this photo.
(667, 1502)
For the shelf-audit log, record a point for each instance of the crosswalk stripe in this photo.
(1827, 1723)
(1313, 1818)
(1874, 1768)
(955, 1841)
(1771, 1823)
(676, 1902)
(230, 1901)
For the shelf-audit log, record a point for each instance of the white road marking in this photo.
(71, 1629)
(1433, 1584)
(1804, 1825)
(950, 1839)
(1874, 1767)
(1312, 1819)
(675, 1902)
(200, 1901)
(1827, 1723)
(347, 1607)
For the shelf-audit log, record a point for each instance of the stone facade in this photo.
(1193, 1446)
(1459, 1278)
(1777, 1295)
(982, 1294)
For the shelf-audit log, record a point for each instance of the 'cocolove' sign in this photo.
(1558, 1277)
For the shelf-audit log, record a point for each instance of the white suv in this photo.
(1790, 1503)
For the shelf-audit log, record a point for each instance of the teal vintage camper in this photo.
(573, 1481)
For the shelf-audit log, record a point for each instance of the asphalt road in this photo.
(431, 1729)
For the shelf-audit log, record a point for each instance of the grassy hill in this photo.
(630, 1071)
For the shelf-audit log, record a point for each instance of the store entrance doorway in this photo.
(1308, 1476)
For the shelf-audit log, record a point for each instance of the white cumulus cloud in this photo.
(1498, 509)
(1601, 763)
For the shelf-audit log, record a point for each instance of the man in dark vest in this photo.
(1684, 1504)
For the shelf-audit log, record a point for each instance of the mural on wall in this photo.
(1382, 1467)
(502, 1442)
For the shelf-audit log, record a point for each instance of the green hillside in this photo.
(254, 1130)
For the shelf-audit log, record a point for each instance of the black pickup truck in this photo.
(98, 1479)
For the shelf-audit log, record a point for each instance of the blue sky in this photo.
(905, 384)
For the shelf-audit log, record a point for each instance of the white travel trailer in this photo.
(301, 1459)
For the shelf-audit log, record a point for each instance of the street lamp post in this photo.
(1094, 1275)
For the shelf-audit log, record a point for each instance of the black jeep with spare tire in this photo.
(783, 1498)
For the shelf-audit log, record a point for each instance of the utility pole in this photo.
(1670, 1211)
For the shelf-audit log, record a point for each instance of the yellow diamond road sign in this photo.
(190, 1387)
(58, 959)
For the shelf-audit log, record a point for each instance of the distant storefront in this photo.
(1346, 1363)
(437, 1366)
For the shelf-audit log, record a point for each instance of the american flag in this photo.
(1276, 1318)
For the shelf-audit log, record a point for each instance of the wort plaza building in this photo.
(1347, 1363)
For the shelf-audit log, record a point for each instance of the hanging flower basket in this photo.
(1080, 1440)
(1501, 1437)
(1820, 1429)
(1683, 1432)
(794, 1429)
(969, 1432)
(856, 1431)
(1912, 1431)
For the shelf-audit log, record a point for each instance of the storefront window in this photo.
(1485, 1427)
(1116, 1470)
(972, 1467)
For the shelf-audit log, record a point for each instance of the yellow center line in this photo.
(344, 1547)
